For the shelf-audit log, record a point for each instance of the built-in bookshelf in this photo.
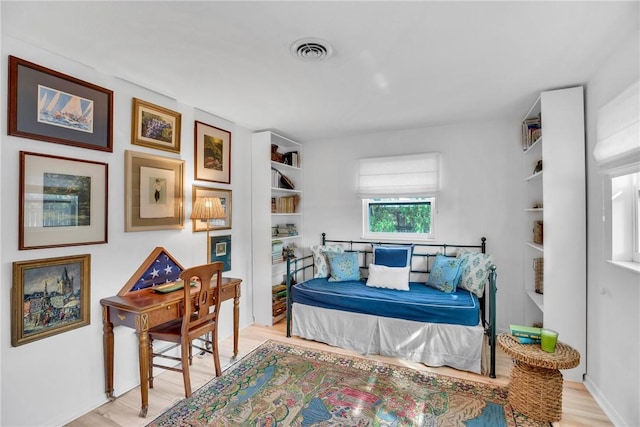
(276, 219)
(554, 218)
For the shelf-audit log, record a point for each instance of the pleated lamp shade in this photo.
(207, 208)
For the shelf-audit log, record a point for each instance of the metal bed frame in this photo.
(302, 268)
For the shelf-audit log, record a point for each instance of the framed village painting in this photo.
(154, 198)
(212, 153)
(155, 126)
(63, 201)
(50, 106)
(49, 296)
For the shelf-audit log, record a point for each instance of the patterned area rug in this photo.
(285, 385)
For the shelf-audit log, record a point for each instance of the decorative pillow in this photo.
(392, 256)
(445, 273)
(320, 260)
(381, 276)
(343, 266)
(475, 270)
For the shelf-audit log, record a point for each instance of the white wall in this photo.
(481, 192)
(54, 380)
(613, 344)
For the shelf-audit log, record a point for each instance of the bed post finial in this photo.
(324, 238)
(484, 245)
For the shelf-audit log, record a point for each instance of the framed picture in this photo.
(50, 106)
(49, 296)
(221, 250)
(63, 201)
(212, 153)
(153, 192)
(155, 127)
(225, 200)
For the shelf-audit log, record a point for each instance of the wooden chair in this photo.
(199, 319)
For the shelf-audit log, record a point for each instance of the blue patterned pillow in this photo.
(445, 273)
(320, 259)
(343, 267)
(392, 256)
(475, 270)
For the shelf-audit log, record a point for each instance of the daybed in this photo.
(379, 314)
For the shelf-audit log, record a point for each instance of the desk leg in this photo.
(107, 348)
(236, 323)
(142, 326)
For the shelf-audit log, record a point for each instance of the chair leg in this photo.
(214, 351)
(150, 363)
(186, 351)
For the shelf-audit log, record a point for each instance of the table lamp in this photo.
(206, 209)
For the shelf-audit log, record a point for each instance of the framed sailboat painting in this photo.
(50, 106)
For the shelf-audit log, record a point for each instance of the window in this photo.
(398, 195)
(617, 154)
(625, 218)
(399, 218)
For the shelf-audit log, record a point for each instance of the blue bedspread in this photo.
(421, 303)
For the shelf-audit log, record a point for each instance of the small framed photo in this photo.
(155, 126)
(50, 106)
(225, 200)
(49, 296)
(154, 195)
(221, 250)
(212, 153)
(63, 201)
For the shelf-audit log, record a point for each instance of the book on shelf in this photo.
(525, 331)
(291, 158)
(285, 204)
(524, 340)
(276, 251)
(531, 131)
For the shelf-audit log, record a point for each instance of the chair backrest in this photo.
(199, 316)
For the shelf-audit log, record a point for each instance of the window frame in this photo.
(366, 234)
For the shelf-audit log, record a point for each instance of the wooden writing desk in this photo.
(145, 309)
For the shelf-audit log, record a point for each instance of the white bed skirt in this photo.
(434, 344)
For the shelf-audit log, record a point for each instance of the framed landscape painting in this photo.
(225, 200)
(155, 126)
(212, 153)
(63, 201)
(49, 296)
(154, 198)
(50, 106)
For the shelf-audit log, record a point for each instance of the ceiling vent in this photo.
(309, 49)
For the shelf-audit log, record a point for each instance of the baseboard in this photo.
(607, 408)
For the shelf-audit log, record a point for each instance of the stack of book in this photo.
(526, 334)
(286, 230)
(276, 252)
(531, 131)
(286, 204)
(278, 299)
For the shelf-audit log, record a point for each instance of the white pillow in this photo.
(381, 276)
(320, 260)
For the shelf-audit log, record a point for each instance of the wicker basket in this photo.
(538, 235)
(538, 268)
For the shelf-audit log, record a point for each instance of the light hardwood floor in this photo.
(578, 409)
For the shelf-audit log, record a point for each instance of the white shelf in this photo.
(534, 176)
(273, 239)
(285, 214)
(284, 190)
(537, 298)
(534, 210)
(284, 166)
(536, 246)
(537, 143)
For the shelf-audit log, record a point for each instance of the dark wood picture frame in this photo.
(212, 153)
(154, 192)
(62, 201)
(49, 106)
(154, 126)
(49, 296)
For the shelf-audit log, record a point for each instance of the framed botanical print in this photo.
(49, 296)
(63, 201)
(155, 126)
(225, 201)
(212, 153)
(154, 195)
(50, 106)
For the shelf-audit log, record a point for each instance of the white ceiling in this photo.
(397, 64)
